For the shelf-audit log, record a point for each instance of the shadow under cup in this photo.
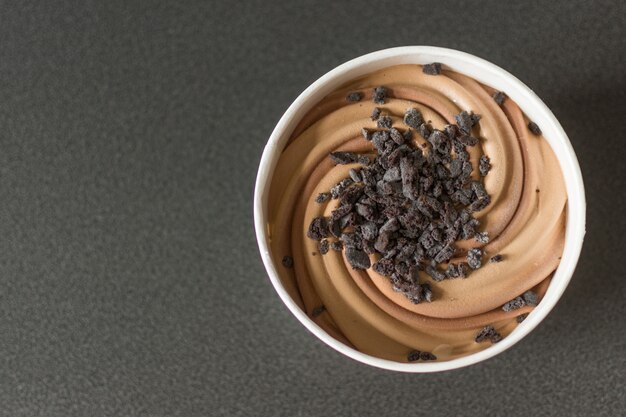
(486, 73)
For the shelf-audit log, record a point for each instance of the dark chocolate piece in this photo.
(318, 310)
(322, 198)
(532, 126)
(355, 96)
(484, 166)
(343, 158)
(522, 317)
(384, 122)
(474, 258)
(496, 258)
(380, 94)
(287, 261)
(375, 114)
(413, 356)
(482, 237)
(324, 246)
(530, 297)
(432, 69)
(413, 118)
(318, 229)
(499, 97)
(337, 245)
(357, 258)
(514, 304)
(488, 333)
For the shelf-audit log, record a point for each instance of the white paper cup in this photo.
(487, 73)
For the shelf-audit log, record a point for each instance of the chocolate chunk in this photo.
(467, 140)
(287, 261)
(532, 126)
(379, 139)
(413, 118)
(355, 96)
(432, 69)
(383, 242)
(407, 135)
(384, 267)
(322, 198)
(369, 231)
(436, 274)
(318, 310)
(425, 130)
(340, 187)
(337, 245)
(384, 122)
(466, 121)
(380, 94)
(427, 356)
(488, 333)
(530, 298)
(444, 254)
(483, 165)
(318, 229)
(324, 246)
(514, 304)
(358, 259)
(474, 258)
(499, 97)
(354, 175)
(375, 114)
(343, 158)
(496, 258)
(522, 317)
(363, 160)
(482, 237)
(396, 136)
(413, 356)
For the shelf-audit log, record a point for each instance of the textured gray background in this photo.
(130, 281)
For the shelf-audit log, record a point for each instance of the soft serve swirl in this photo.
(525, 220)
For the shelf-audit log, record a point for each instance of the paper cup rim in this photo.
(489, 74)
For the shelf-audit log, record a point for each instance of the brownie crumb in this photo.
(357, 258)
(413, 118)
(384, 122)
(499, 97)
(484, 165)
(532, 126)
(337, 245)
(324, 246)
(432, 69)
(427, 356)
(375, 114)
(416, 355)
(318, 229)
(343, 158)
(514, 304)
(522, 317)
(474, 258)
(482, 237)
(322, 198)
(496, 258)
(318, 310)
(488, 333)
(355, 96)
(287, 261)
(380, 94)
(530, 297)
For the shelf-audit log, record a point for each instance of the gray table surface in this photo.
(130, 280)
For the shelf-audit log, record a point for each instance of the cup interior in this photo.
(486, 73)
